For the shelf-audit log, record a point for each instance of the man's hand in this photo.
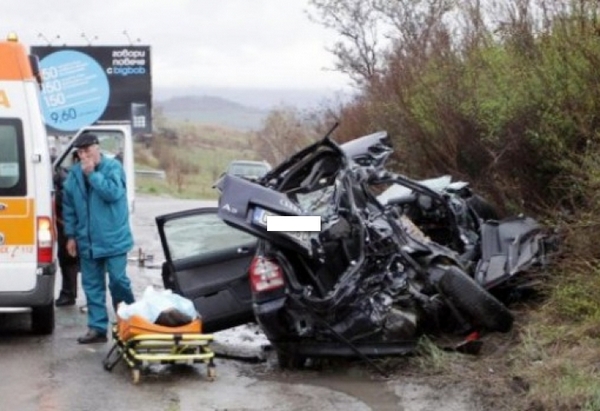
(72, 247)
(87, 165)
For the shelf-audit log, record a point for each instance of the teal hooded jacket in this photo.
(96, 213)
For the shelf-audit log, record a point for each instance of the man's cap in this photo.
(86, 139)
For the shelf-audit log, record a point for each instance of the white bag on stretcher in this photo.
(153, 302)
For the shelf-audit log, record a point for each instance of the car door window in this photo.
(201, 234)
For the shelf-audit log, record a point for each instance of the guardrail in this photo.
(157, 174)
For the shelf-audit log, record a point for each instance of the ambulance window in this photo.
(12, 158)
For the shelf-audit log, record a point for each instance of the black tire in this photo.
(475, 303)
(287, 360)
(42, 319)
(482, 208)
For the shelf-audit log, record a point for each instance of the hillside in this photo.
(261, 98)
(212, 110)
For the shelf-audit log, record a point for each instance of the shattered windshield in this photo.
(318, 202)
(201, 234)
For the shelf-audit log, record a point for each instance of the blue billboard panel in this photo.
(95, 85)
(75, 90)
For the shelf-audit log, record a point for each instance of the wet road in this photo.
(54, 373)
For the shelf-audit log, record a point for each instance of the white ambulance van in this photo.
(27, 243)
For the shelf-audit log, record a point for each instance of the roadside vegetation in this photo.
(505, 95)
(193, 155)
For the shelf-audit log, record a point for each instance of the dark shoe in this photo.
(92, 337)
(63, 301)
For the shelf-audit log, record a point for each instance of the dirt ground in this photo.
(431, 379)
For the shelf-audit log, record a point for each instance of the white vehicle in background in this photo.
(251, 170)
(248, 169)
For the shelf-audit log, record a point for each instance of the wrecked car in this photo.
(395, 258)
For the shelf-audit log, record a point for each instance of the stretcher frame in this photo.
(141, 348)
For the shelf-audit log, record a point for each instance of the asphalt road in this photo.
(54, 373)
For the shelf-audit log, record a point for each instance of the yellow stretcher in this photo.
(140, 343)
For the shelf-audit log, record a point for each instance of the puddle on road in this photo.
(375, 394)
(374, 391)
(232, 391)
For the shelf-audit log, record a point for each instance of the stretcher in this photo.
(139, 343)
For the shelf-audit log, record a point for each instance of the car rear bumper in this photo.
(41, 294)
(270, 317)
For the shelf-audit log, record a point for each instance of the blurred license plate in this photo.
(259, 217)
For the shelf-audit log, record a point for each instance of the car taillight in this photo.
(45, 240)
(265, 274)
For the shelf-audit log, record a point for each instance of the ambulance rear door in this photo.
(18, 225)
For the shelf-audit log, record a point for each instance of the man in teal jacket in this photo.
(96, 218)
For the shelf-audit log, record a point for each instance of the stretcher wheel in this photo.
(211, 372)
(135, 375)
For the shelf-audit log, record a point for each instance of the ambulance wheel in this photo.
(211, 372)
(135, 375)
(42, 319)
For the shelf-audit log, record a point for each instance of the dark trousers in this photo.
(93, 279)
(69, 267)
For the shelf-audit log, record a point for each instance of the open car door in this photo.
(207, 262)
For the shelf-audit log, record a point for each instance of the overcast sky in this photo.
(206, 43)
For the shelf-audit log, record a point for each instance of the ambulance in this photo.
(27, 242)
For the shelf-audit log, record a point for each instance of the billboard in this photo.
(84, 85)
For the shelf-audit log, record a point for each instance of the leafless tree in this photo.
(358, 24)
(284, 131)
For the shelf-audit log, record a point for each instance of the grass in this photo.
(431, 358)
(559, 350)
(194, 162)
(561, 365)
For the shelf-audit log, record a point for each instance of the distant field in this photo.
(207, 110)
(242, 121)
(205, 151)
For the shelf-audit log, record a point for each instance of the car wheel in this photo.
(482, 208)
(474, 302)
(42, 319)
